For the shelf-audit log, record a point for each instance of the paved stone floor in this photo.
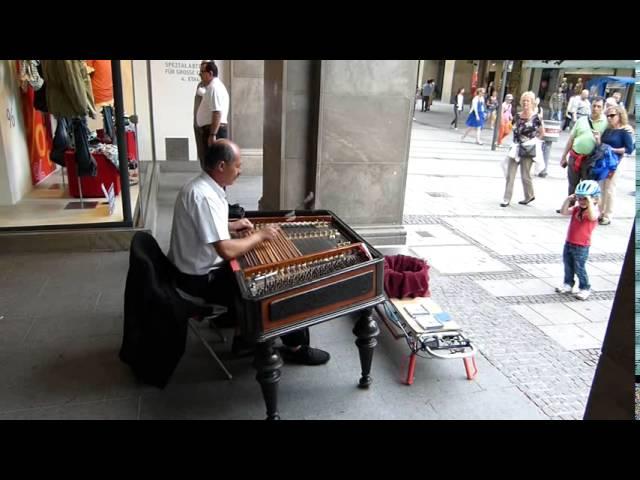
(496, 268)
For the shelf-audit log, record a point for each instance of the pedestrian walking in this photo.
(527, 133)
(458, 105)
(476, 116)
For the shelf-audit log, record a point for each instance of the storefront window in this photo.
(59, 158)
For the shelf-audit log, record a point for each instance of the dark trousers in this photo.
(206, 131)
(454, 122)
(567, 122)
(425, 103)
(573, 177)
(86, 164)
(220, 287)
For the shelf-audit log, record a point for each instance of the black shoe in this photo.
(558, 211)
(525, 202)
(305, 355)
(543, 174)
(503, 204)
(241, 347)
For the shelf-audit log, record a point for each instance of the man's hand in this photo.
(268, 233)
(242, 224)
(211, 140)
(564, 162)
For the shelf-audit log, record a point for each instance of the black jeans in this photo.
(454, 122)
(220, 287)
(205, 131)
(425, 103)
(86, 164)
(60, 141)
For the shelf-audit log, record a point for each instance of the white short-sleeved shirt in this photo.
(200, 218)
(215, 99)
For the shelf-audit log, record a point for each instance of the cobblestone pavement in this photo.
(533, 335)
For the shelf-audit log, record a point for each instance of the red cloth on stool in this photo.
(406, 276)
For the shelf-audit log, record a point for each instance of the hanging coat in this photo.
(69, 92)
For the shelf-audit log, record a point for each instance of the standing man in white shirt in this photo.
(201, 148)
(212, 113)
(203, 240)
(570, 116)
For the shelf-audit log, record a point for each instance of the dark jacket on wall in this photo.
(155, 316)
(69, 92)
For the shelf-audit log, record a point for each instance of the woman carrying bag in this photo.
(619, 136)
(527, 133)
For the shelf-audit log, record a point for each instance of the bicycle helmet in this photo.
(588, 188)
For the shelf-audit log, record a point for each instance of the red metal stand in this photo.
(470, 362)
(412, 368)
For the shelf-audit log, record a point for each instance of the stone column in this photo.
(525, 81)
(246, 90)
(535, 82)
(448, 89)
(340, 129)
(291, 89)
(363, 143)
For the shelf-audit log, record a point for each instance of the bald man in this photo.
(583, 106)
(203, 240)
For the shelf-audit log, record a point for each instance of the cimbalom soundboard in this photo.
(315, 268)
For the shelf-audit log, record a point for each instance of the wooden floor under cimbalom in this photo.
(45, 205)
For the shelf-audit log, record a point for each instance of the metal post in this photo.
(122, 144)
(503, 86)
(151, 125)
(80, 192)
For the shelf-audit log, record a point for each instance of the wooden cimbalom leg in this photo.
(366, 330)
(268, 363)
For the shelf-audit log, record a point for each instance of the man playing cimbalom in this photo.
(582, 142)
(203, 241)
(212, 113)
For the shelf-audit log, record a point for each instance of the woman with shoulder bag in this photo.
(619, 136)
(528, 126)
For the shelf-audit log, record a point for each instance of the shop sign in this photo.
(111, 198)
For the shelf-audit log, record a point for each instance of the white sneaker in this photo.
(564, 289)
(583, 294)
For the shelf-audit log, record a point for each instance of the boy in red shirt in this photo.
(584, 218)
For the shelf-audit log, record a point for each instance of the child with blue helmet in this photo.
(584, 218)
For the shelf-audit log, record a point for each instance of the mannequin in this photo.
(102, 84)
